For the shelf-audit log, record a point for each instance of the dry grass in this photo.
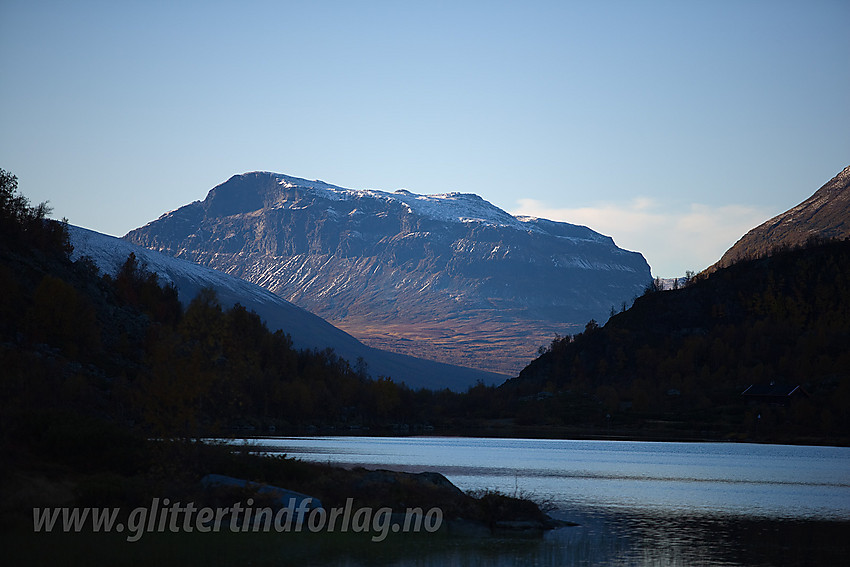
(495, 346)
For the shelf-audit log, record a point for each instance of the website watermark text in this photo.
(298, 516)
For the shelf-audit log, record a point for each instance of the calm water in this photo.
(638, 503)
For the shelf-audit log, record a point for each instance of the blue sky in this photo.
(672, 126)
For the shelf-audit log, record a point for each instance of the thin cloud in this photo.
(672, 241)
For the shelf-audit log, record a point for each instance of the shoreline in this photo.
(521, 433)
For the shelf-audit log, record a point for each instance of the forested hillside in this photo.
(75, 343)
(679, 360)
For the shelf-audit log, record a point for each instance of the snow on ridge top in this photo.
(456, 207)
(289, 182)
(451, 207)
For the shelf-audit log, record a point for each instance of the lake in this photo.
(637, 503)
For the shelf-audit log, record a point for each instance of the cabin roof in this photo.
(773, 390)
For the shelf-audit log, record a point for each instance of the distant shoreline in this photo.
(531, 433)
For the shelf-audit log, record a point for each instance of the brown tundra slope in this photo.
(826, 214)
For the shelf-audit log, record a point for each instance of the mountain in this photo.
(448, 277)
(826, 215)
(306, 330)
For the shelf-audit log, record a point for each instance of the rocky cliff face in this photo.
(448, 277)
(826, 214)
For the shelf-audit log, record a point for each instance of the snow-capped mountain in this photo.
(449, 277)
(307, 330)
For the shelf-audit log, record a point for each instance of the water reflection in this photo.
(601, 539)
(630, 541)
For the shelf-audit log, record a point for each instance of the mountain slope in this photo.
(826, 214)
(307, 330)
(448, 277)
